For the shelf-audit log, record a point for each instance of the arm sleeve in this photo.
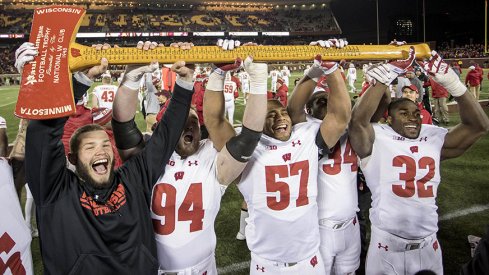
(160, 147)
(45, 160)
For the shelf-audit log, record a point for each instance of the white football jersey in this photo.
(337, 182)
(244, 78)
(403, 175)
(279, 184)
(352, 73)
(184, 206)
(15, 236)
(229, 89)
(105, 95)
(3, 123)
(274, 74)
(285, 76)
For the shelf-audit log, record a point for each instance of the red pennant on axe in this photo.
(45, 88)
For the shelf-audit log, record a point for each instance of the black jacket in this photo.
(79, 235)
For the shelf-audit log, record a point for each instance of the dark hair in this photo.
(313, 98)
(75, 138)
(394, 105)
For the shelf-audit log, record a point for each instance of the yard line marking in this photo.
(456, 214)
(7, 104)
(464, 212)
(233, 268)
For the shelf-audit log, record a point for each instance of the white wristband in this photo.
(258, 88)
(131, 84)
(456, 89)
(216, 82)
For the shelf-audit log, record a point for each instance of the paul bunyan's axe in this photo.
(46, 90)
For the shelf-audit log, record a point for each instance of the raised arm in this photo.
(305, 87)
(474, 123)
(360, 130)
(232, 159)
(338, 107)
(157, 151)
(219, 128)
(129, 140)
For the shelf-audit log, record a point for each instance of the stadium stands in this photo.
(196, 19)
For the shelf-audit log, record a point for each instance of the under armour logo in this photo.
(435, 245)
(75, 52)
(260, 268)
(296, 143)
(414, 149)
(286, 157)
(384, 247)
(354, 220)
(423, 139)
(314, 261)
(14, 262)
(179, 175)
(195, 162)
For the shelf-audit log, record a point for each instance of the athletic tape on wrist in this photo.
(216, 82)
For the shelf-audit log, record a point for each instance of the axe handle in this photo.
(81, 57)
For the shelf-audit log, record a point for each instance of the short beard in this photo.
(83, 174)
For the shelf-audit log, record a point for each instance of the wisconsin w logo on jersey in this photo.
(287, 157)
(14, 262)
(179, 175)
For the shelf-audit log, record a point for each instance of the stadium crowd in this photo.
(192, 20)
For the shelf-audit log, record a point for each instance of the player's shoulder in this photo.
(310, 125)
(206, 148)
(432, 130)
(3, 123)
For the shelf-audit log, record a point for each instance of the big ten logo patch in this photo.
(13, 260)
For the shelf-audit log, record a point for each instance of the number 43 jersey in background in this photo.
(403, 175)
(105, 95)
(279, 185)
(184, 206)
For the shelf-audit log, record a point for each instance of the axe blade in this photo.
(46, 88)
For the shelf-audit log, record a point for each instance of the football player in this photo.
(186, 198)
(401, 164)
(337, 184)
(279, 184)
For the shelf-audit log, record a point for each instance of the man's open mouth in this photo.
(100, 166)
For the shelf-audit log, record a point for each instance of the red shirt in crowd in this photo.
(437, 91)
(473, 78)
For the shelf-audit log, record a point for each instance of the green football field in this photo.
(463, 198)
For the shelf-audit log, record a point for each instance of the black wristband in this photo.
(126, 134)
